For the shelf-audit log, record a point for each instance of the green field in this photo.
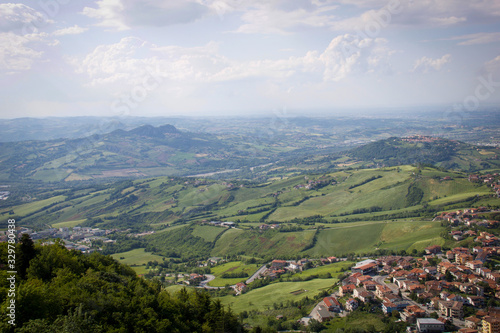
(334, 269)
(154, 203)
(68, 224)
(136, 257)
(263, 298)
(255, 243)
(208, 233)
(231, 267)
(363, 237)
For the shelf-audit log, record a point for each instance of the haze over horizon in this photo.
(241, 57)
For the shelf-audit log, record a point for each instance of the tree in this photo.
(26, 253)
(315, 326)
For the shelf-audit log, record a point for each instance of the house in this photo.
(451, 309)
(362, 294)
(467, 330)
(472, 322)
(429, 325)
(348, 289)
(411, 313)
(491, 324)
(435, 249)
(476, 301)
(361, 279)
(321, 313)
(332, 304)
(370, 285)
(351, 304)
(474, 264)
(240, 287)
(381, 290)
(277, 264)
(365, 269)
(388, 307)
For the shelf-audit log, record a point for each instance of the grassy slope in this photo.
(136, 257)
(260, 299)
(261, 244)
(333, 269)
(160, 201)
(208, 233)
(367, 237)
(231, 267)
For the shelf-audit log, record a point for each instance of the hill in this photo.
(308, 210)
(349, 195)
(448, 154)
(63, 291)
(140, 152)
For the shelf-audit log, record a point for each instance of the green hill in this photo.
(348, 195)
(449, 154)
(63, 291)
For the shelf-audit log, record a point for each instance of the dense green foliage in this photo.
(65, 291)
(179, 243)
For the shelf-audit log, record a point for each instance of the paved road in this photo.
(256, 275)
(380, 280)
(204, 283)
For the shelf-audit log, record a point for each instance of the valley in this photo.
(212, 225)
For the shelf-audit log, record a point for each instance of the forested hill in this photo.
(449, 154)
(68, 292)
(143, 151)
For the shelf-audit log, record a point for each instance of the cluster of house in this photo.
(311, 184)
(420, 138)
(279, 267)
(76, 238)
(490, 179)
(269, 226)
(458, 280)
(4, 195)
(468, 217)
(221, 224)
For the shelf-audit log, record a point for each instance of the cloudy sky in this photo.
(239, 57)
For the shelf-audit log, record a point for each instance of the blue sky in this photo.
(240, 57)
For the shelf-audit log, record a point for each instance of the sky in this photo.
(245, 57)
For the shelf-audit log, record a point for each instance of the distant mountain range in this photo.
(147, 151)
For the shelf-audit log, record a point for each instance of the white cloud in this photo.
(74, 30)
(109, 13)
(125, 14)
(19, 17)
(16, 54)
(422, 13)
(348, 54)
(492, 67)
(122, 64)
(478, 38)
(426, 65)
(266, 18)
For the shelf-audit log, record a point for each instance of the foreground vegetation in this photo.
(63, 291)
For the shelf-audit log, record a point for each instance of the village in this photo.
(81, 239)
(444, 290)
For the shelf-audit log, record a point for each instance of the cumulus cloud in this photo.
(426, 65)
(22, 43)
(16, 53)
(74, 30)
(125, 14)
(274, 17)
(16, 17)
(125, 62)
(348, 54)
